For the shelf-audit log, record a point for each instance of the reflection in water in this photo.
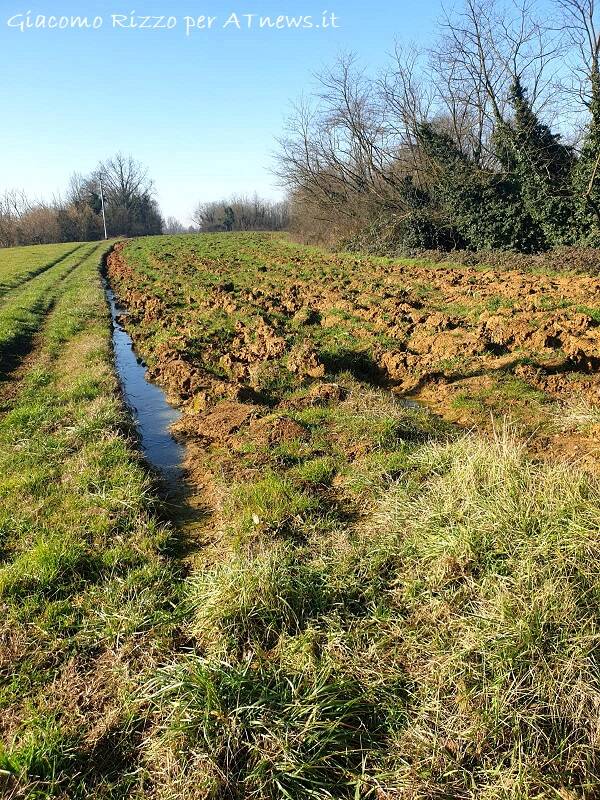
(152, 413)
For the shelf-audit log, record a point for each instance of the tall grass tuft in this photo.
(498, 579)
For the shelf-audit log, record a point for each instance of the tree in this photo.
(582, 26)
(241, 214)
(542, 168)
(131, 207)
(484, 205)
(458, 148)
(173, 226)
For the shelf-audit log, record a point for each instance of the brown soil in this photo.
(448, 331)
(216, 425)
(583, 260)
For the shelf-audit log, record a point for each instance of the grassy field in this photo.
(20, 264)
(33, 293)
(84, 584)
(369, 602)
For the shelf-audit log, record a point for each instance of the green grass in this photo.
(24, 307)
(594, 313)
(496, 566)
(447, 644)
(19, 264)
(83, 582)
(378, 606)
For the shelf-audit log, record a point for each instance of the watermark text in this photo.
(189, 25)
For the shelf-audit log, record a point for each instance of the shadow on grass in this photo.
(13, 352)
(358, 363)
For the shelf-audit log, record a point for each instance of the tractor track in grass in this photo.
(11, 382)
(20, 341)
(6, 287)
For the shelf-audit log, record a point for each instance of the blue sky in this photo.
(202, 112)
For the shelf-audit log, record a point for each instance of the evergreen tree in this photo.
(485, 206)
(540, 166)
(229, 219)
(586, 178)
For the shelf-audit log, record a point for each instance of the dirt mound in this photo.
(304, 361)
(275, 431)
(306, 316)
(179, 377)
(320, 394)
(217, 424)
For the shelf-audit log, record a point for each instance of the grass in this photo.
(19, 264)
(498, 585)
(378, 605)
(445, 645)
(24, 307)
(301, 735)
(577, 415)
(83, 583)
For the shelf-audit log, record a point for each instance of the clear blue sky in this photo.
(202, 112)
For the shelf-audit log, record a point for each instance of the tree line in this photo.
(129, 200)
(130, 207)
(241, 213)
(489, 139)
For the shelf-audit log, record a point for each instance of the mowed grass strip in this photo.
(86, 594)
(24, 307)
(20, 264)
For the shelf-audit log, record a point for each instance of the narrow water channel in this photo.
(152, 413)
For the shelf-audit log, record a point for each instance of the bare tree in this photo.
(346, 152)
(364, 149)
(26, 221)
(124, 179)
(130, 197)
(406, 98)
(242, 214)
(131, 208)
(173, 226)
(482, 52)
(580, 21)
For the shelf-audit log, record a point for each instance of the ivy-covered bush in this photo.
(537, 194)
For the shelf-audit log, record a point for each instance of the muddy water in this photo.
(152, 413)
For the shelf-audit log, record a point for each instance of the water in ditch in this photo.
(152, 413)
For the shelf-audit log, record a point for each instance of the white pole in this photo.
(103, 213)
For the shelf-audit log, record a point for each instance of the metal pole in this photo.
(103, 213)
